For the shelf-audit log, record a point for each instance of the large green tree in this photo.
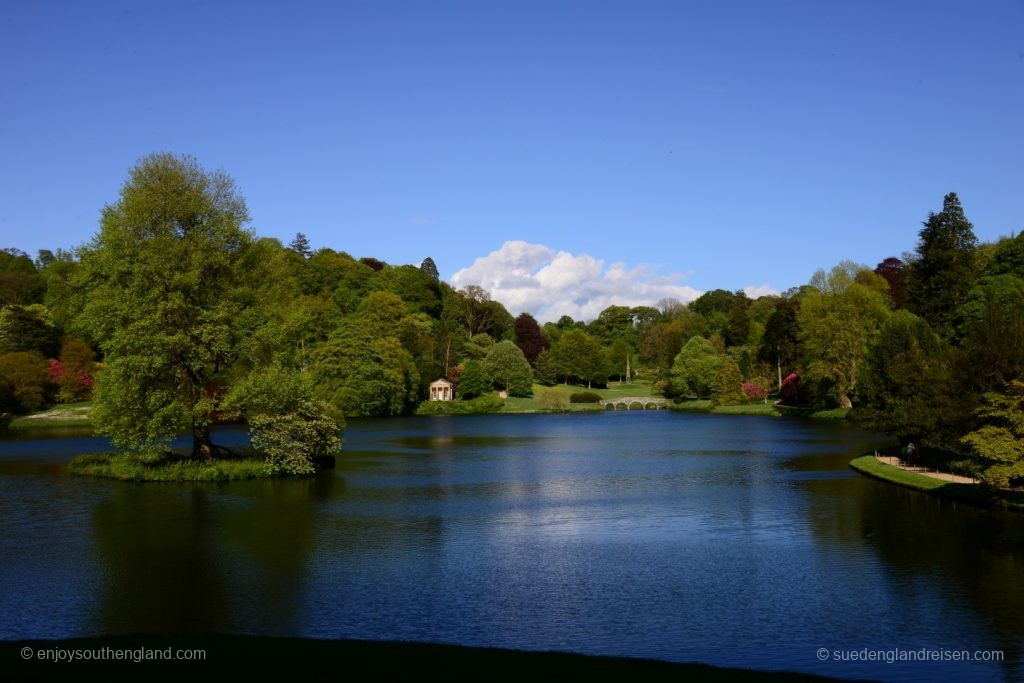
(944, 270)
(904, 383)
(508, 368)
(171, 281)
(997, 444)
(695, 368)
(837, 324)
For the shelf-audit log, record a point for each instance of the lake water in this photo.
(731, 540)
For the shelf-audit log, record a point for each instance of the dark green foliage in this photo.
(1008, 258)
(300, 245)
(905, 381)
(429, 268)
(585, 397)
(737, 331)
(20, 283)
(474, 380)
(941, 275)
(28, 328)
(364, 374)
(780, 342)
(613, 324)
(490, 403)
(420, 292)
(715, 301)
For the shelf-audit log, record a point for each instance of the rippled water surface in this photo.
(733, 540)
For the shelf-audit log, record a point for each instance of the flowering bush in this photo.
(791, 388)
(754, 391)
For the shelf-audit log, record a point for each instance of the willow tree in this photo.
(171, 281)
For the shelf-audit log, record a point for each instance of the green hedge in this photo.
(585, 397)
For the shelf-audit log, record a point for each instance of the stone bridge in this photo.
(630, 402)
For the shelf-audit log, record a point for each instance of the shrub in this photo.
(553, 400)
(293, 441)
(489, 403)
(585, 397)
(754, 391)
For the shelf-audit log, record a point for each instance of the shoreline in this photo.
(316, 659)
(977, 495)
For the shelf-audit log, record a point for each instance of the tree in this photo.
(286, 424)
(300, 245)
(28, 328)
(905, 380)
(474, 380)
(996, 444)
(545, 371)
(363, 370)
(172, 278)
(579, 355)
(715, 301)
(76, 370)
(727, 386)
(737, 332)
(1008, 258)
(529, 338)
(429, 268)
(780, 342)
(941, 275)
(19, 282)
(509, 369)
(695, 368)
(835, 328)
(26, 374)
(895, 273)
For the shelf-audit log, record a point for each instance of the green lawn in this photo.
(973, 494)
(64, 415)
(535, 404)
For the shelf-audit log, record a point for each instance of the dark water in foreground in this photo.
(740, 541)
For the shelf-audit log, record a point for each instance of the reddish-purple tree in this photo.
(528, 337)
(895, 273)
(791, 389)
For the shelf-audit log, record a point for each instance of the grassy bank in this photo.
(973, 494)
(701, 406)
(65, 415)
(167, 467)
(262, 658)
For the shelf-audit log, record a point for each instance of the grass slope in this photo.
(66, 415)
(973, 494)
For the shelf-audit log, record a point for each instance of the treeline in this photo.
(184, 318)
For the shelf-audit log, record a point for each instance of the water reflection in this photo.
(207, 558)
(732, 540)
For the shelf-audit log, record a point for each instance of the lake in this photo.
(732, 540)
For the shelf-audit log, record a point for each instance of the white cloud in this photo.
(755, 291)
(550, 284)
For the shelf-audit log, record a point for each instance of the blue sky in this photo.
(722, 144)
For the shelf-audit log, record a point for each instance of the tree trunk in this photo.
(202, 447)
(845, 402)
